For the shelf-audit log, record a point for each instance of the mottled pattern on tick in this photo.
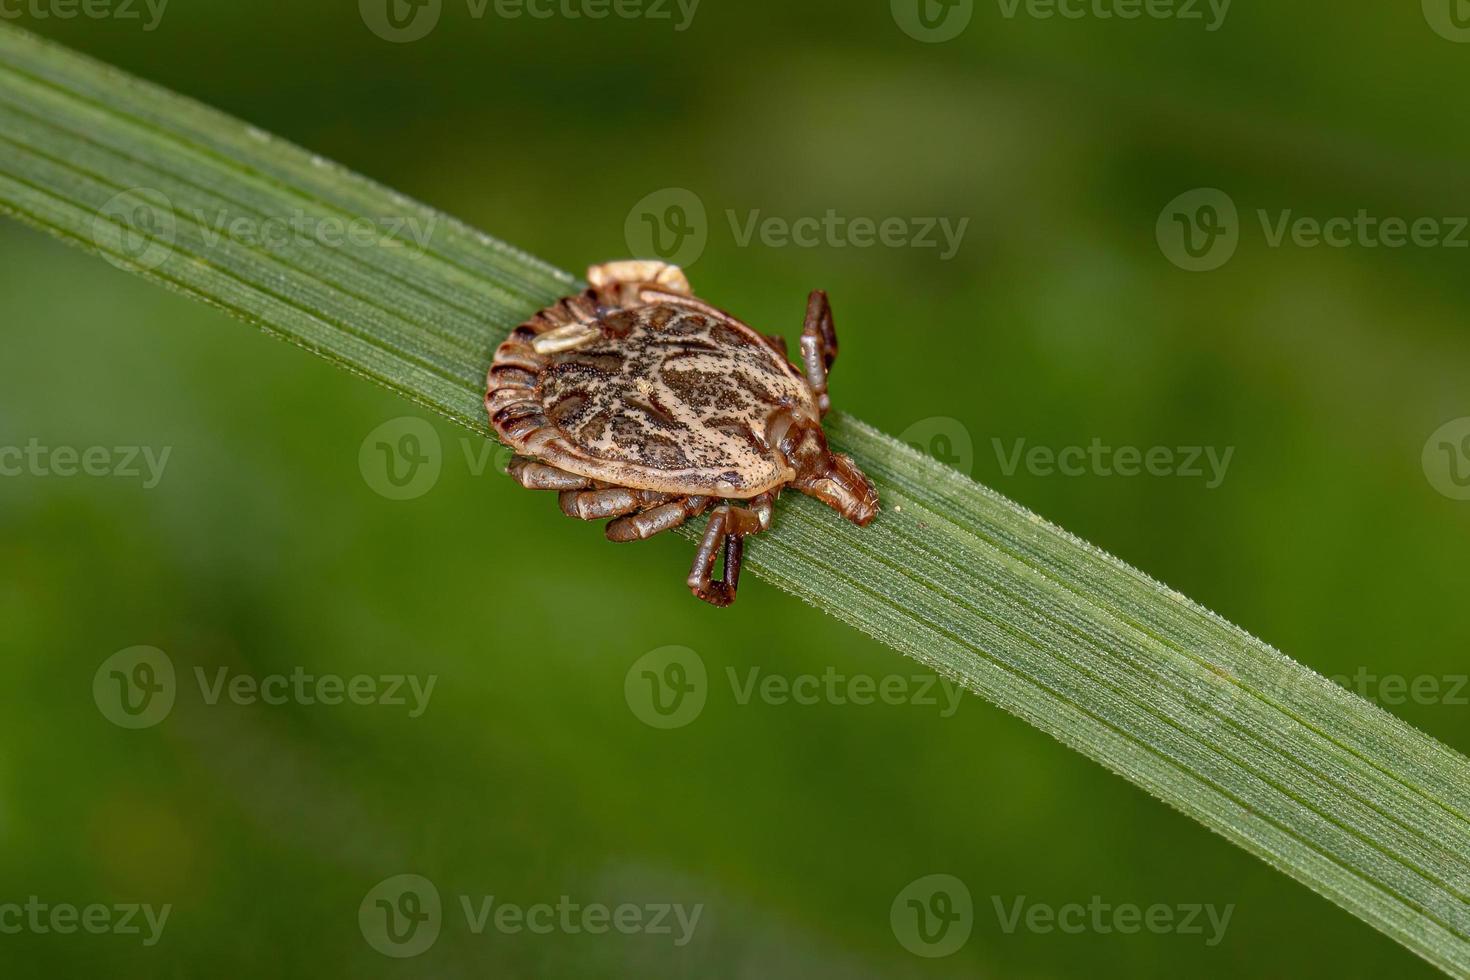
(672, 389)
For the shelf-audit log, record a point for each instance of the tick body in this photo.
(645, 406)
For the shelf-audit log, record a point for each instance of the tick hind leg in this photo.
(598, 504)
(638, 514)
(726, 531)
(819, 346)
(657, 519)
(536, 475)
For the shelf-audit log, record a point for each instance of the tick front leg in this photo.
(535, 475)
(726, 531)
(819, 346)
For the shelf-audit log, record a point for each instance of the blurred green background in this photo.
(1061, 320)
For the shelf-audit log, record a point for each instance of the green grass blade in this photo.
(1337, 793)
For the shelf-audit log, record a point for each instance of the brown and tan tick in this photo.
(641, 403)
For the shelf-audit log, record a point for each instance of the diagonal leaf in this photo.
(1337, 793)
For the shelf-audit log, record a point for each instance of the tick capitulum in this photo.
(645, 405)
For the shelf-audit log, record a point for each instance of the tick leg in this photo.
(567, 337)
(535, 475)
(819, 346)
(656, 520)
(763, 506)
(595, 505)
(726, 531)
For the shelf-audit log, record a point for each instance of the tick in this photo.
(644, 405)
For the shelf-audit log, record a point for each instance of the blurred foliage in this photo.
(1059, 321)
